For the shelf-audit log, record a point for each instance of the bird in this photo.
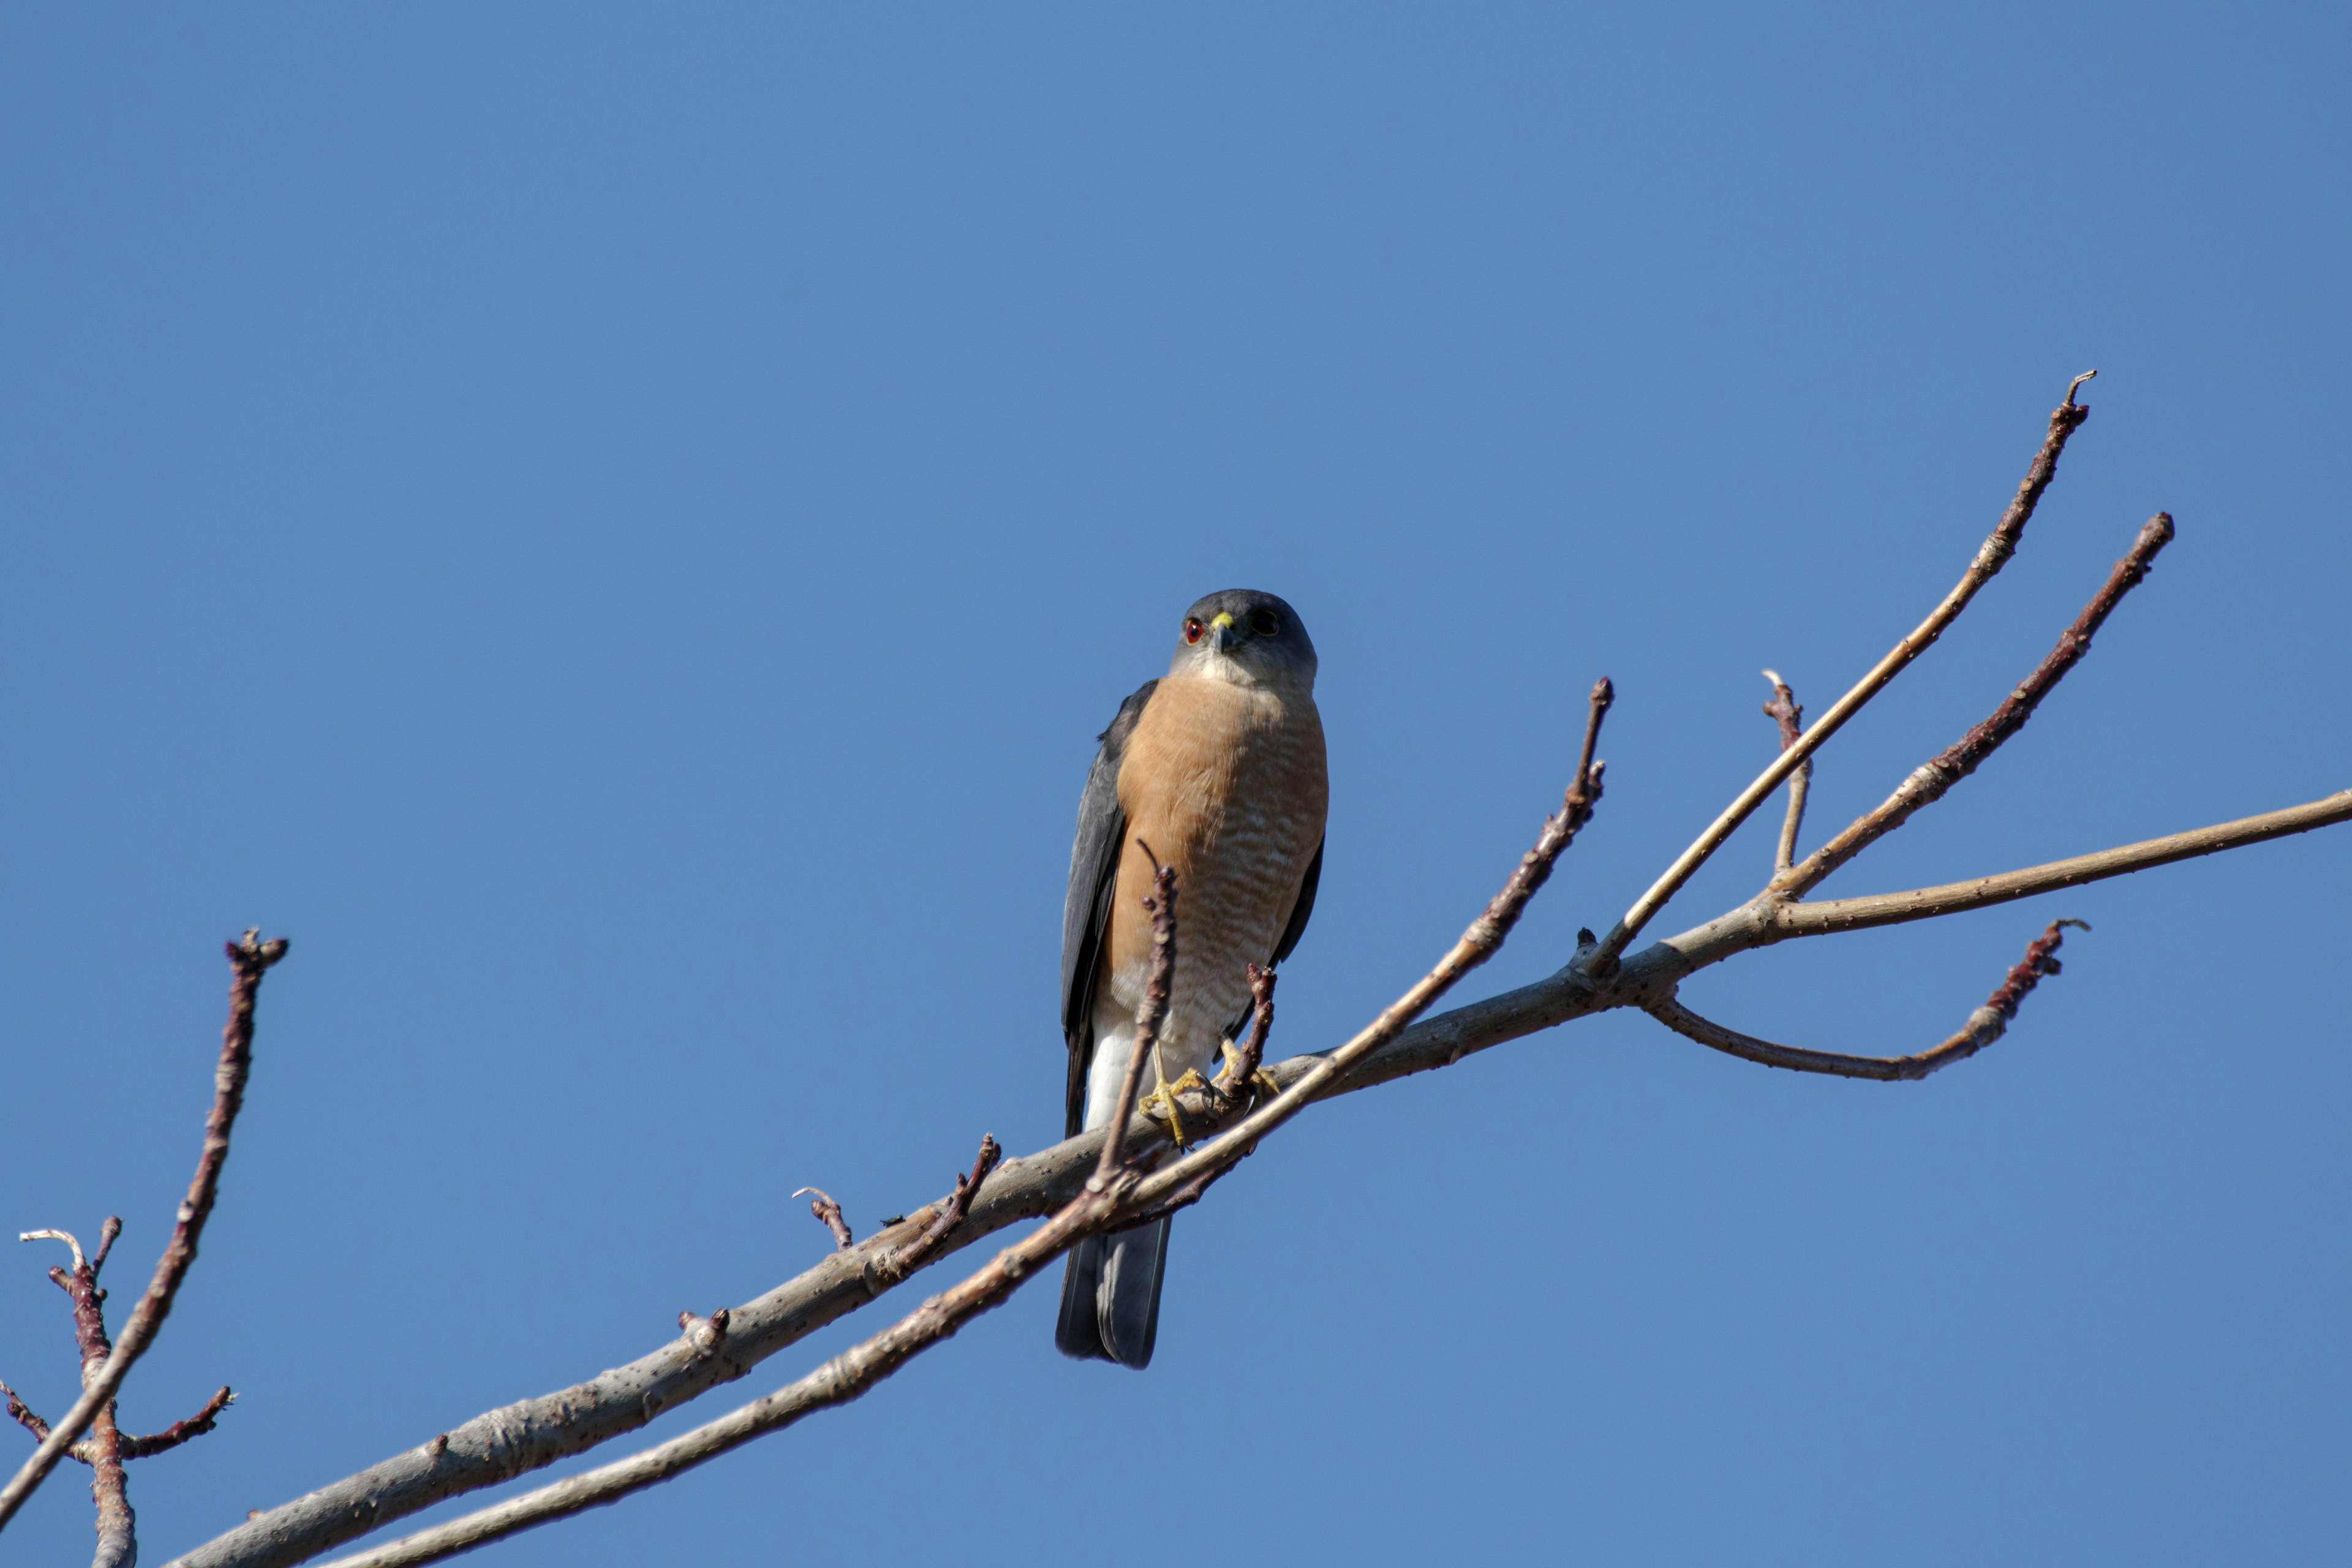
(1216, 770)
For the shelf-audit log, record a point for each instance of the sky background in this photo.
(616, 530)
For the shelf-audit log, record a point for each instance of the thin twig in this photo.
(1149, 1014)
(828, 1213)
(1241, 1067)
(1998, 547)
(1785, 708)
(250, 959)
(102, 1450)
(1985, 1025)
(1830, 915)
(179, 1432)
(1930, 782)
(952, 1213)
(23, 1415)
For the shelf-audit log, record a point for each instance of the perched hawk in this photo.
(1218, 767)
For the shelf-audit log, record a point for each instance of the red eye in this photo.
(1193, 630)
(1266, 623)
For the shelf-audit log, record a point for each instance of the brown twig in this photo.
(1934, 778)
(23, 1415)
(179, 1432)
(1601, 961)
(828, 1213)
(250, 959)
(952, 1213)
(102, 1449)
(1241, 1068)
(1985, 1025)
(1149, 1014)
(1785, 708)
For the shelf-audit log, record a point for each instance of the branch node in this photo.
(828, 1213)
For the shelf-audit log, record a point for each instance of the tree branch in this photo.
(1985, 1025)
(179, 1432)
(1998, 547)
(953, 1213)
(1926, 903)
(250, 959)
(1785, 708)
(530, 1433)
(1930, 782)
(1150, 1012)
(828, 1213)
(22, 1414)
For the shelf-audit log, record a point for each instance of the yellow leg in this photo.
(1162, 1101)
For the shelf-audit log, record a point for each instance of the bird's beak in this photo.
(1221, 636)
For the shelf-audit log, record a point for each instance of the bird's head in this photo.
(1247, 638)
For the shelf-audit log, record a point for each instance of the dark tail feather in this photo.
(1110, 1296)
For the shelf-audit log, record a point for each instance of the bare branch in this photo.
(22, 1415)
(1963, 756)
(955, 1210)
(1242, 1061)
(828, 1213)
(250, 959)
(1785, 707)
(179, 1432)
(837, 1382)
(1149, 1014)
(1998, 547)
(1985, 1025)
(1926, 903)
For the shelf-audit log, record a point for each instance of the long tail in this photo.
(1110, 1296)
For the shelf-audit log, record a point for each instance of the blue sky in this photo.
(616, 530)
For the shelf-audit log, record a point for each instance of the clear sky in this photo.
(616, 530)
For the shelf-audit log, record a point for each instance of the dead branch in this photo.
(828, 1213)
(250, 959)
(1990, 556)
(1985, 1025)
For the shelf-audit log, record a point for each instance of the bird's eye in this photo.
(1193, 630)
(1266, 623)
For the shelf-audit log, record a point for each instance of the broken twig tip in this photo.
(2075, 384)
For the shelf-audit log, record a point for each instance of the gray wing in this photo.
(1301, 910)
(1086, 909)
